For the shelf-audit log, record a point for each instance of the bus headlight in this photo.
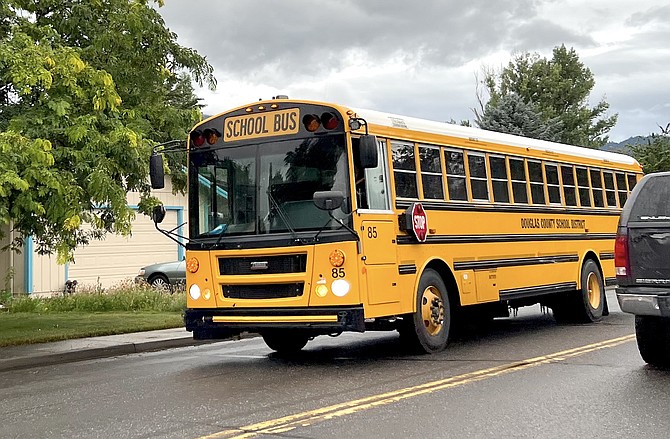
(340, 287)
(194, 292)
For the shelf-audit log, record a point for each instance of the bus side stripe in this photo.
(514, 262)
(450, 206)
(471, 239)
(517, 293)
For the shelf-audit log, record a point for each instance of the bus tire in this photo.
(427, 329)
(653, 340)
(587, 304)
(285, 341)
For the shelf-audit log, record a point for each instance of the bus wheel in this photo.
(586, 304)
(285, 341)
(427, 329)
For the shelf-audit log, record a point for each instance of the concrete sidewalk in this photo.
(43, 354)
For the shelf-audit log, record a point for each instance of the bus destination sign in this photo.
(252, 126)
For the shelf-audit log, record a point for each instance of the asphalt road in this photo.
(524, 377)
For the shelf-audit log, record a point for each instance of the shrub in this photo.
(125, 297)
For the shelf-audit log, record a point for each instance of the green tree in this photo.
(512, 115)
(87, 87)
(559, 89)
(655, 155)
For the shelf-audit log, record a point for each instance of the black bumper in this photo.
(322, 320)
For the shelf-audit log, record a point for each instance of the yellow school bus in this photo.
(310, 218)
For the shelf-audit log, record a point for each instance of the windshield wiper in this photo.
(337, 220)
(282, 214)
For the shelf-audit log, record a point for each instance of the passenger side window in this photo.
(404, 170)
(553, 186)
(568, 180)
(597, 185)
(536, 182)
(621, 188)
(632, 180)
(478, 176)
(518, 173)
(583, 186)
(455, 165)
(610, 193)
(499, 179)
(431, 173)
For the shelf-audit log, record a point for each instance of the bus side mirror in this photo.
(328, 200)
(156, 172)
(158, 214)
(367, 151)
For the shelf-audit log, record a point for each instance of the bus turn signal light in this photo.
(336, 258)
(192, 265)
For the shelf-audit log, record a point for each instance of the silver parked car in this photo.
(165, 275)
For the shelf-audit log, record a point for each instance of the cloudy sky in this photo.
(422, 58)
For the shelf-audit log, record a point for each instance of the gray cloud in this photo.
(420, 58)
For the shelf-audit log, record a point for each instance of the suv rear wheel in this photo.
(653, 339)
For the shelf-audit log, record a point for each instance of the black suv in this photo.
(642, 259)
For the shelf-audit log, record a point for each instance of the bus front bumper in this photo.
(229, 321)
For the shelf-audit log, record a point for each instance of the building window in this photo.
(404, 170)
(553, 185)
(499, 179)
(583, 186)
(455, 175)
(536, 182)
(517, 171)
(597, 185)
(479, 183)
(431, 173)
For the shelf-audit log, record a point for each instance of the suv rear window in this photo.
(654, 201)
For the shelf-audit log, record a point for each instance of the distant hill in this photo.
(623, 145)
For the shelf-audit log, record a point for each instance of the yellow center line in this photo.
(304, 419)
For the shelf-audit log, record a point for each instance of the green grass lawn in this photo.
(30, 327)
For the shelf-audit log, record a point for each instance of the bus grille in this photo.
(265, 291)
(263, 265)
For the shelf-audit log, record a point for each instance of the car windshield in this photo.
(266, 187)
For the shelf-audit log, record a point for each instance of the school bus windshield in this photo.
(261, 188)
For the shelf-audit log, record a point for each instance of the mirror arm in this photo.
(169, 147)
(171, 234)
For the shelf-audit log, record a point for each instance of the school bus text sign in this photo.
(252, 126)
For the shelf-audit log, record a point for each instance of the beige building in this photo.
(101, 264)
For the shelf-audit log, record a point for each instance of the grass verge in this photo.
(20, 328)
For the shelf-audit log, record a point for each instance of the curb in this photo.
(71, 356)
(71, 351)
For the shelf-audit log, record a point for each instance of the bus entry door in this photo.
(379, 257)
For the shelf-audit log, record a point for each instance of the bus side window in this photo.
(518, 173)
(431, 172)
(455, 164)
(404, 170)
(621, 188)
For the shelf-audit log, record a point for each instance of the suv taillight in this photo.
(621, 261)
